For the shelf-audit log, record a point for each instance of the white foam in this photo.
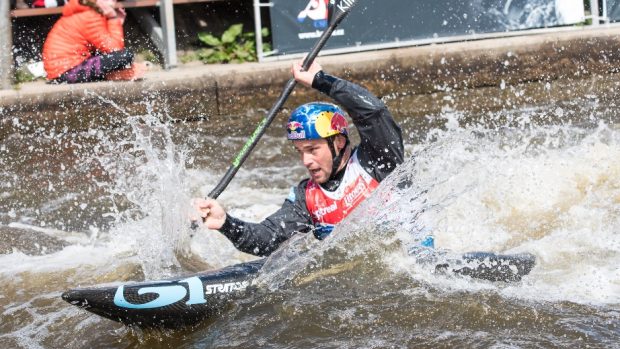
(550, 190)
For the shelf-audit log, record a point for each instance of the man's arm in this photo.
(261, 239)
(381, 148)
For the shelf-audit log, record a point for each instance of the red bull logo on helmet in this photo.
(315, 121)
(295, 130)
(339, 123)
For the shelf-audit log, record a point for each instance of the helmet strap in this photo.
(336, 159)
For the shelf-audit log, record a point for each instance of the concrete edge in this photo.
(250, 76)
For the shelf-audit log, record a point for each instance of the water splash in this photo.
(150, 194)
(551, 190)
(542, 179)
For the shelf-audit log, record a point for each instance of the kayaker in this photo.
(341, 176)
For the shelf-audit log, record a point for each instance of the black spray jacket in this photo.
(380, 151)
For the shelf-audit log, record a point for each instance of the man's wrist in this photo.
(323, 82)
(232, 227)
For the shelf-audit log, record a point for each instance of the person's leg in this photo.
(116, 61)
(95, 68)
(135, 72)
(89, 70)
(128, 73)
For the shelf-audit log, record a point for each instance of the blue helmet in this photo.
(316, 120)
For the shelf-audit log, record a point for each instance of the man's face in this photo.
(317, 157)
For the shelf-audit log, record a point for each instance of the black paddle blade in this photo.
(338, 9)
(491, 266)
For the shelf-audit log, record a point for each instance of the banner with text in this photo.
(296, 24)
(613, 10)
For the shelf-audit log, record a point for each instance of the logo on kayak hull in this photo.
(176, 291)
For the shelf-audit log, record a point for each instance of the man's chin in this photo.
(320, 179)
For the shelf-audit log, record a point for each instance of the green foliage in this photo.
(234, 46)
(149, 56)
(23, 75)
(188, 57)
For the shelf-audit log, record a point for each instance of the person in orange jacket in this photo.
(87, 44)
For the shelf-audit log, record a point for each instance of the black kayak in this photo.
(191, 299)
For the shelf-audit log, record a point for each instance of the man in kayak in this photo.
(341, 176)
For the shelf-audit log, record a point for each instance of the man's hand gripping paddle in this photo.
(338, 10)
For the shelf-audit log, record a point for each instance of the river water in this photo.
(532, 168)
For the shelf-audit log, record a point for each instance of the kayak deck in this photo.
(188, 300)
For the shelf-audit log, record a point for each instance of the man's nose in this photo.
(306, 159)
